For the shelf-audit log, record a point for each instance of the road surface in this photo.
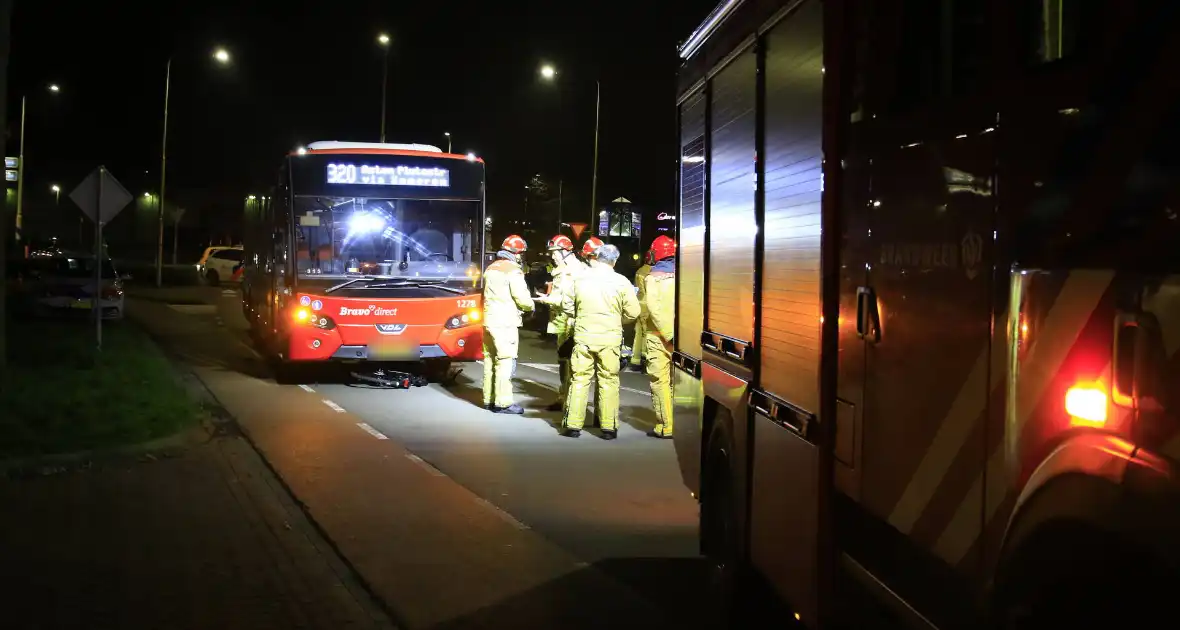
(619, 505)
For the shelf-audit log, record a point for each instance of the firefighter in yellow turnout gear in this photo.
(659, 294)
(505, 297)
(601, 302)
(566, 269)
(640, 339)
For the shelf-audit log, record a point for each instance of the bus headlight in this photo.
(304, 315)
(468, 318)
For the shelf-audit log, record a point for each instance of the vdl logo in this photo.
(391, 329)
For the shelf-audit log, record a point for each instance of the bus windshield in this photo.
(387, 238)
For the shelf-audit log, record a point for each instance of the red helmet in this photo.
(562, 242)
(514, 243)
(661, 248)
(591, 246)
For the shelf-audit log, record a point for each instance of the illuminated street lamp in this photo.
(22, 173)
(549, 73)
(222, 57)
(383, 41)
(448, 135)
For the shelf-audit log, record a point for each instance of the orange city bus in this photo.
(368, 252)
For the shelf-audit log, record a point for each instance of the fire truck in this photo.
(928, 310)
(368, 253)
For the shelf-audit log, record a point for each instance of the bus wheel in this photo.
(289, 372)
(439, 371)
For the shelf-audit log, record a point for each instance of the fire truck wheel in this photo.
(1074, 575)
(720, 540)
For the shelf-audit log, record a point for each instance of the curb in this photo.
(225, 424)
(168, 446)
(61, 463)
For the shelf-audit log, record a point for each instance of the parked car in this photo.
(218, 262)
(61, 281)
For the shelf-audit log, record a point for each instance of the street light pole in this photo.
(549, 73)
(594, 178)
(20, 177)
(222, 57)
(56, 206)
(383, 39)
(448, 135)
(163, 177)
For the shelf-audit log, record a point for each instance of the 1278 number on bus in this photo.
(466, 303)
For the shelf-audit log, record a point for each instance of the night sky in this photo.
(312, 71)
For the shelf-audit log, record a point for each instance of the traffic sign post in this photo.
(101, 197)
(577, 229)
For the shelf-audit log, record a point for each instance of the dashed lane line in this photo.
(552, 388)
(370, 430)
(307, 388)
(334, 406)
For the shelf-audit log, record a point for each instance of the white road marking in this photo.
(423, 463)
(511, 520)
(546, 367)
(229, 292)
(334, 406)
(306, 388)
(368, 429)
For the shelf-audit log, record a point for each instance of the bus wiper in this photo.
(434, 284)
(348, 283)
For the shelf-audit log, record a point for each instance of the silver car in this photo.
(64, 282)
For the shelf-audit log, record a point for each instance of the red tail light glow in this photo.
(111, 293)
(1086, 405)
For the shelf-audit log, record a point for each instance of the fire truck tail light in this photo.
(302, 314)
(1086, 405)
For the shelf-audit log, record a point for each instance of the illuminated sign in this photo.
(366, 175)
(664, 216)
(11, 162)
(10, 175)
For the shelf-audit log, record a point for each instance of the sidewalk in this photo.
(203, 537)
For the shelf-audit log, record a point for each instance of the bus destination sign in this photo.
(373, 175)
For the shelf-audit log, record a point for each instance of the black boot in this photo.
(609, 435)
(571, 433)
(513, 409)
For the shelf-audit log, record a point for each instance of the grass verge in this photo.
(59, 395)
